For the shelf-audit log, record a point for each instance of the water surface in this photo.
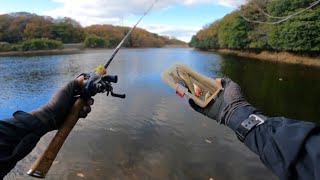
(154, 134)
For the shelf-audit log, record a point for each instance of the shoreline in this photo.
(278, 57)
(72, 50)
(41, 52)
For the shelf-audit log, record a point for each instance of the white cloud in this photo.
(89, 12)
(118, 8)
(181, 32)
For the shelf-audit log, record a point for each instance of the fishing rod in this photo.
(95, 82)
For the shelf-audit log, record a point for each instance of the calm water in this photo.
(154, 134)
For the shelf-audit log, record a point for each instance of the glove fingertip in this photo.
(73, 88)
(87, 109)
(83, 114)
(90, 101)
(225, 81)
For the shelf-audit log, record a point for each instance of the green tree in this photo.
(40, 44)
(300, 33)
(93, 41)
(258, 37)
(68, 31)
(286, 7)
(194, 41)
(233, 32)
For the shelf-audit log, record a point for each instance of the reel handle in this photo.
(122, 96)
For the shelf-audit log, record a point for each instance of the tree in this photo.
(4, 24)
(139, 37)
(258, 37)
(68, 31)
(93, 41)
(22, 26)
(233, 32)
(15, 31)
(38, 27)
(300, 33)
(286, 7)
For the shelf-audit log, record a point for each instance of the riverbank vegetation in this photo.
(32, 45)
(28, 32)
(256, 27)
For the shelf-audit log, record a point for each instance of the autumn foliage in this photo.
(139, 37)
(22, 29)
(17, 27)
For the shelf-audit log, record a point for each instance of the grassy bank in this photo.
(282, 57)
(68, 49)
(40, 46)
(176, 46)
(41, 52)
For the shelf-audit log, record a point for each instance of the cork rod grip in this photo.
(42, 165)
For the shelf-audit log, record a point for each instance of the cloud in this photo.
(89, 12)
(183, 33)
(96, 11)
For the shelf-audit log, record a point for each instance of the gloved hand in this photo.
(228, 101)
(56, 110)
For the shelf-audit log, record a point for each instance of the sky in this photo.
(175, 18)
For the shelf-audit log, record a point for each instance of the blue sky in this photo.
(178, 18)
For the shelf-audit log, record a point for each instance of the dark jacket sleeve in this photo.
(18, 136)
(289, 148)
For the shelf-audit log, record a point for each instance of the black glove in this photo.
(228, 101)
(56, 110)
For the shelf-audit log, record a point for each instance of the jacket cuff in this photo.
(31, 122)
(240, 115)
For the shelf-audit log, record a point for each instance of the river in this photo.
(153, 133)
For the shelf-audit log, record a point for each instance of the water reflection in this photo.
(31, 78)
(277, 89)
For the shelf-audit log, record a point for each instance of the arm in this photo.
(20, 134)
(289, 148)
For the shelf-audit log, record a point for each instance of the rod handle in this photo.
(43, 164)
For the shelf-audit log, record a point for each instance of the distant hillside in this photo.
(139, 37)
(21, 26)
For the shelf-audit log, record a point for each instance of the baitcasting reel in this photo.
(100, 84)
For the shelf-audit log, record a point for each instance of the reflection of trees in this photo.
(276, 89)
